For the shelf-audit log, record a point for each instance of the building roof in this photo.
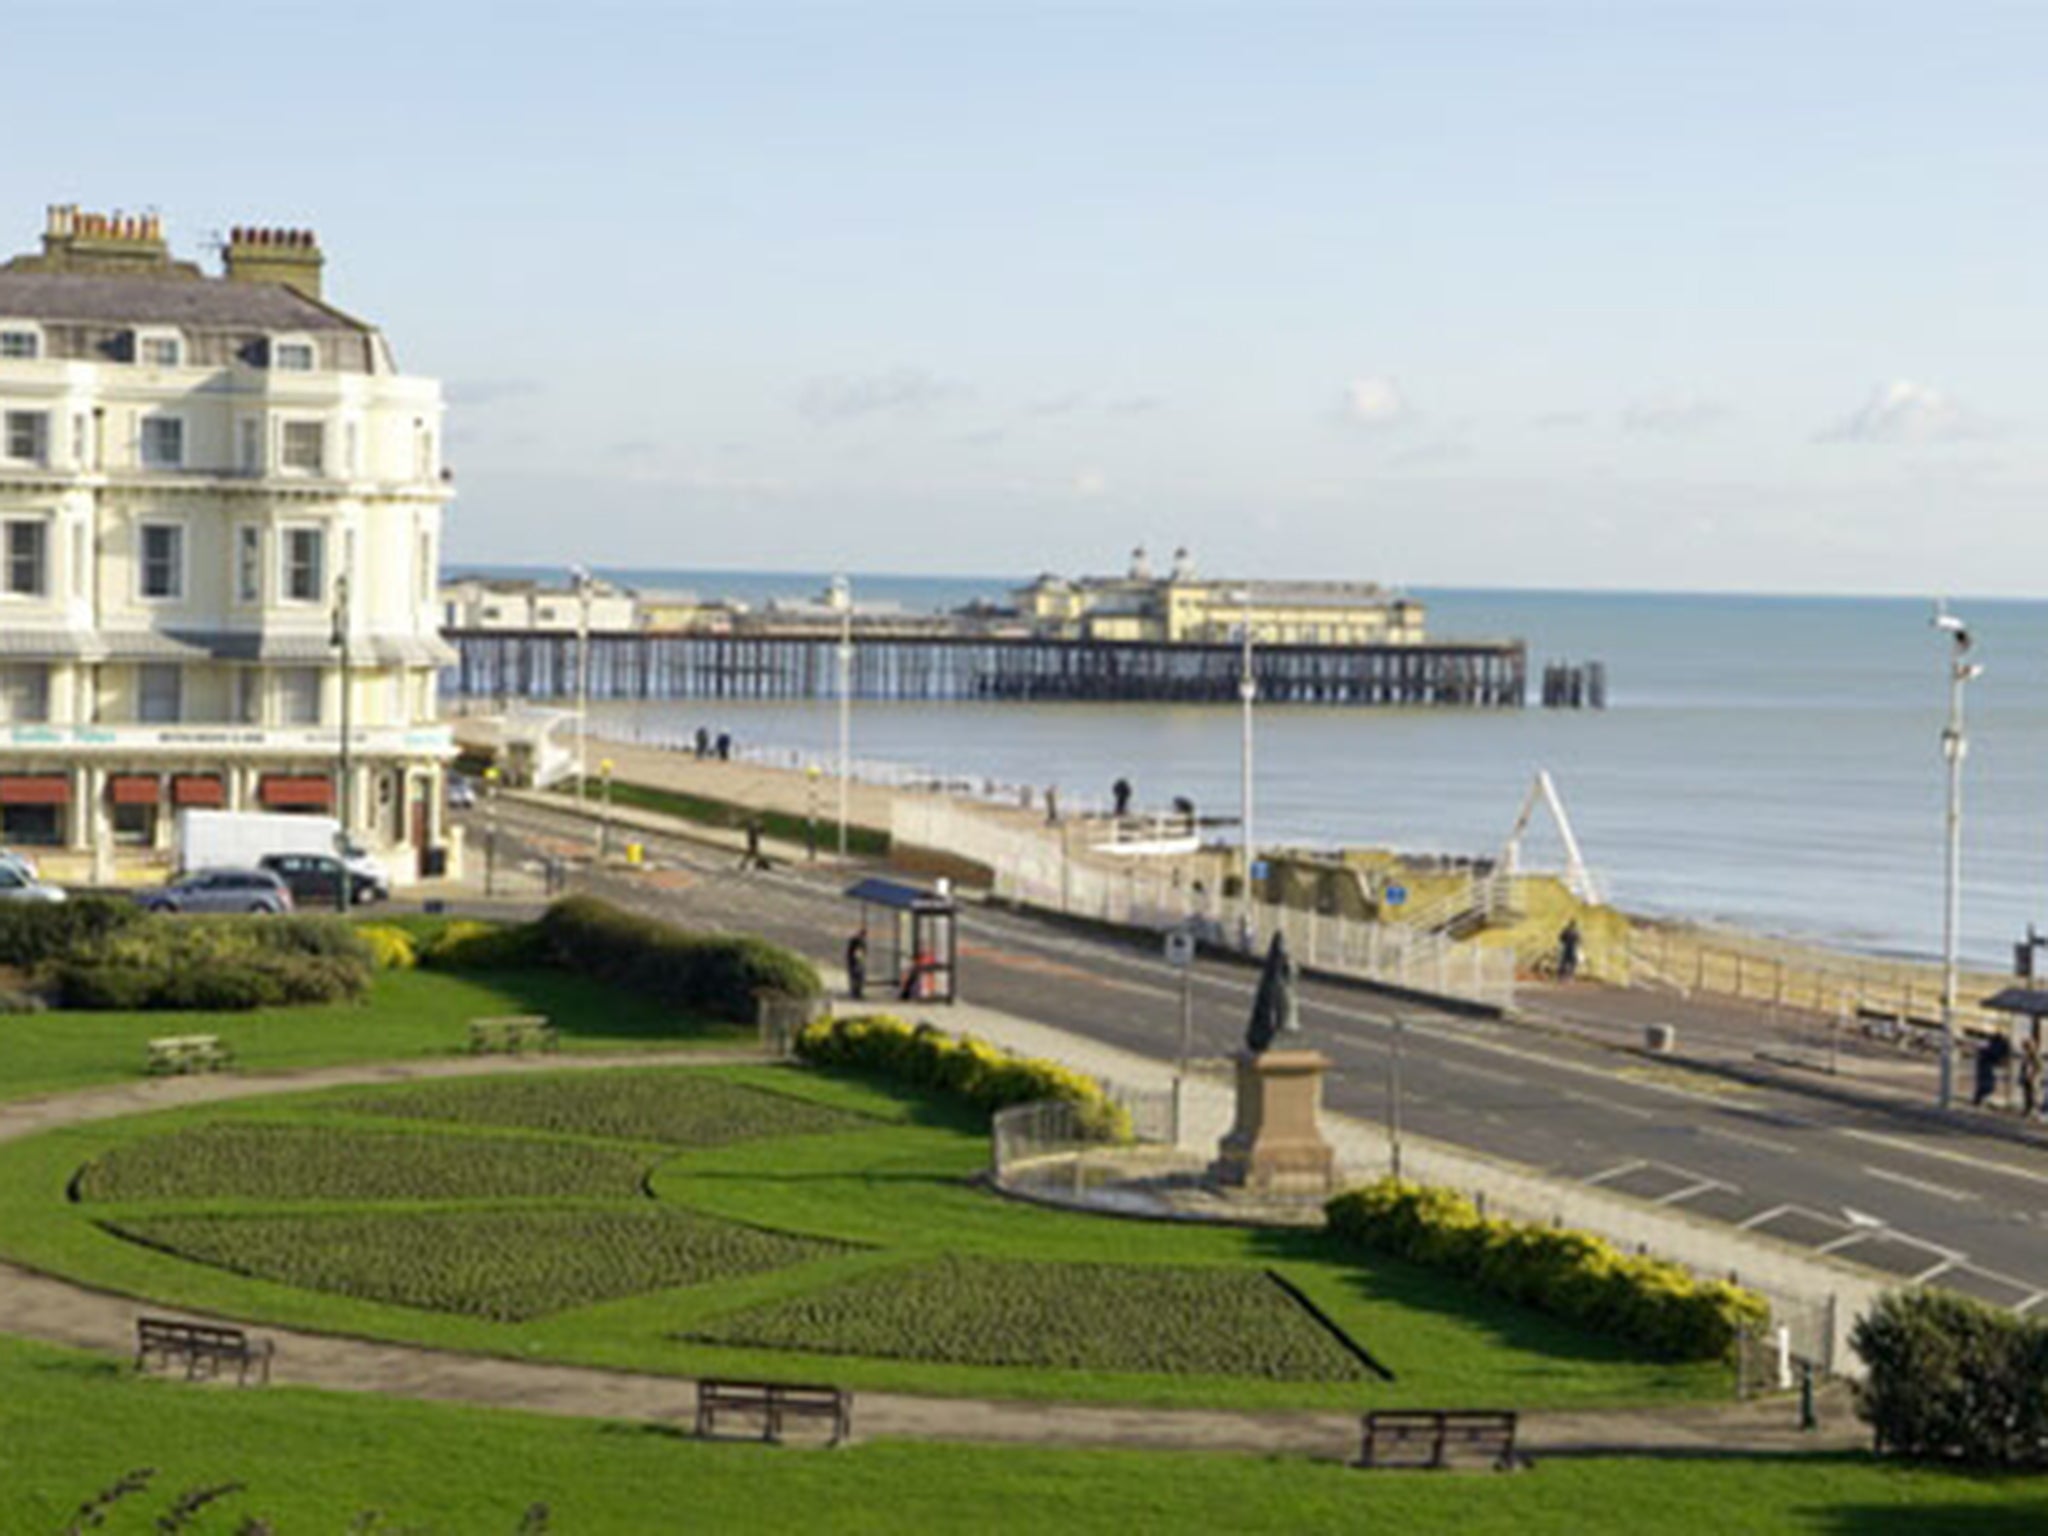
(207, 303)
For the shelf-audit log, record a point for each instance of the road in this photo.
(1924, 1202)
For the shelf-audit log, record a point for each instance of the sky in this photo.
(1728, 296)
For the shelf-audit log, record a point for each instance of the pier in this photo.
(940, 668)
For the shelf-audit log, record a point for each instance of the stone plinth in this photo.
(1277, 1147)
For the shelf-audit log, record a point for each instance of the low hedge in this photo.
(35, 933)
(391, 949)
(719, 974)
(216, 964)
(1659, 1306)
(468, 945)
(1952, 1379)
(963, 1067)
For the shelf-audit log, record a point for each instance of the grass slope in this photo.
(311, 1462)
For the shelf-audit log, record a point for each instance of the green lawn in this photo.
(865, 842)
(310, 1462)
(408, 1013)
(894, 1193)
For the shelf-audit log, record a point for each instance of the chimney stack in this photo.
(288, 256)
(106, 244)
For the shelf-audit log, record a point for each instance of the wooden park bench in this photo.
(774, 1402)
(189, 1053)
(1431, 1437)
(204, 1348)
(511, 1032)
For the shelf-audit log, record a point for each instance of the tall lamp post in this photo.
(339, 639)
(1955, 746)
(842, 601)
(1247, 691)
(581, 576)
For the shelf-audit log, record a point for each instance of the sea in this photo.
(1772, 763)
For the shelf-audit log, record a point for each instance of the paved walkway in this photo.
(58, 1311)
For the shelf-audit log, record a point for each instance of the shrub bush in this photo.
(217, 964)
(719, 974)
(1659, 1306)
(391, 949)
(468, 945)
(962, 1068)
(1953, 1379)
(32, 933)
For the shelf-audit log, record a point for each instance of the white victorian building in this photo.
(206, 483)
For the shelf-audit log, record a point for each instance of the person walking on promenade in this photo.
(1991, 1059)
(857, 965)
(703, 741)
(1569, 944)
(725, 746)
(2030, 1077)
(1121, 792)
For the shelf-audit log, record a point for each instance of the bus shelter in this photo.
(922, 929)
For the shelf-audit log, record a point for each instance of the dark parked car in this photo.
(315, 878)
(220, 890)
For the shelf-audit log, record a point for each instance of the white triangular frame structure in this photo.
(1578, 878)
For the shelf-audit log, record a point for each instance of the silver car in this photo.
(220, 890)
(18, 884)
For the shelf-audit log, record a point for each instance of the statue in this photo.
(1275, 1007)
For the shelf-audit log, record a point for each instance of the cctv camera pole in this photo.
(1955, 747)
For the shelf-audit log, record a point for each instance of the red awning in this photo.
(135, 788)
(35, 789)
(198, 789)
(289, 789)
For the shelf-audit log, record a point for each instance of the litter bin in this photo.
(1660, 1037)
(433, 863)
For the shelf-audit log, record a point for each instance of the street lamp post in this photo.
(842, 599)
(346, 797)
(1247, 691)
(811, 813)
(1394, 1100)
(604, 816)
(581, 576)
(491, 831)
(1955, 746)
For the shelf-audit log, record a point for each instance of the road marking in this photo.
(1926, 1187)
(1942, 1268)
(1784, 1148)
(1616, 1171)
(2030, 1302)
(1699, 1188)
(1943, 1154)
(1850, 1241)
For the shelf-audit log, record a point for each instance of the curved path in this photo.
(58, 1311)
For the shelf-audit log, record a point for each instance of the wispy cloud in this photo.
(1055, 405)
(634, 448)
(1673, 416)
(1090, 484)
(1377, 403)
(987, 437)
(1134, 405)
(489, 391)
(902, 391)
(1905, 412)
(1557, 421)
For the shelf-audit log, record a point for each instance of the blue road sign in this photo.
(1396, 894)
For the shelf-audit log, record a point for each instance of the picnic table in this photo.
(774, 1402)
(204, 1347)
(512, 1032)
(189, 1053)
(1432, 1437)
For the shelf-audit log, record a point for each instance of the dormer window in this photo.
(159, 349)
(292, 355)
(20, 343)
